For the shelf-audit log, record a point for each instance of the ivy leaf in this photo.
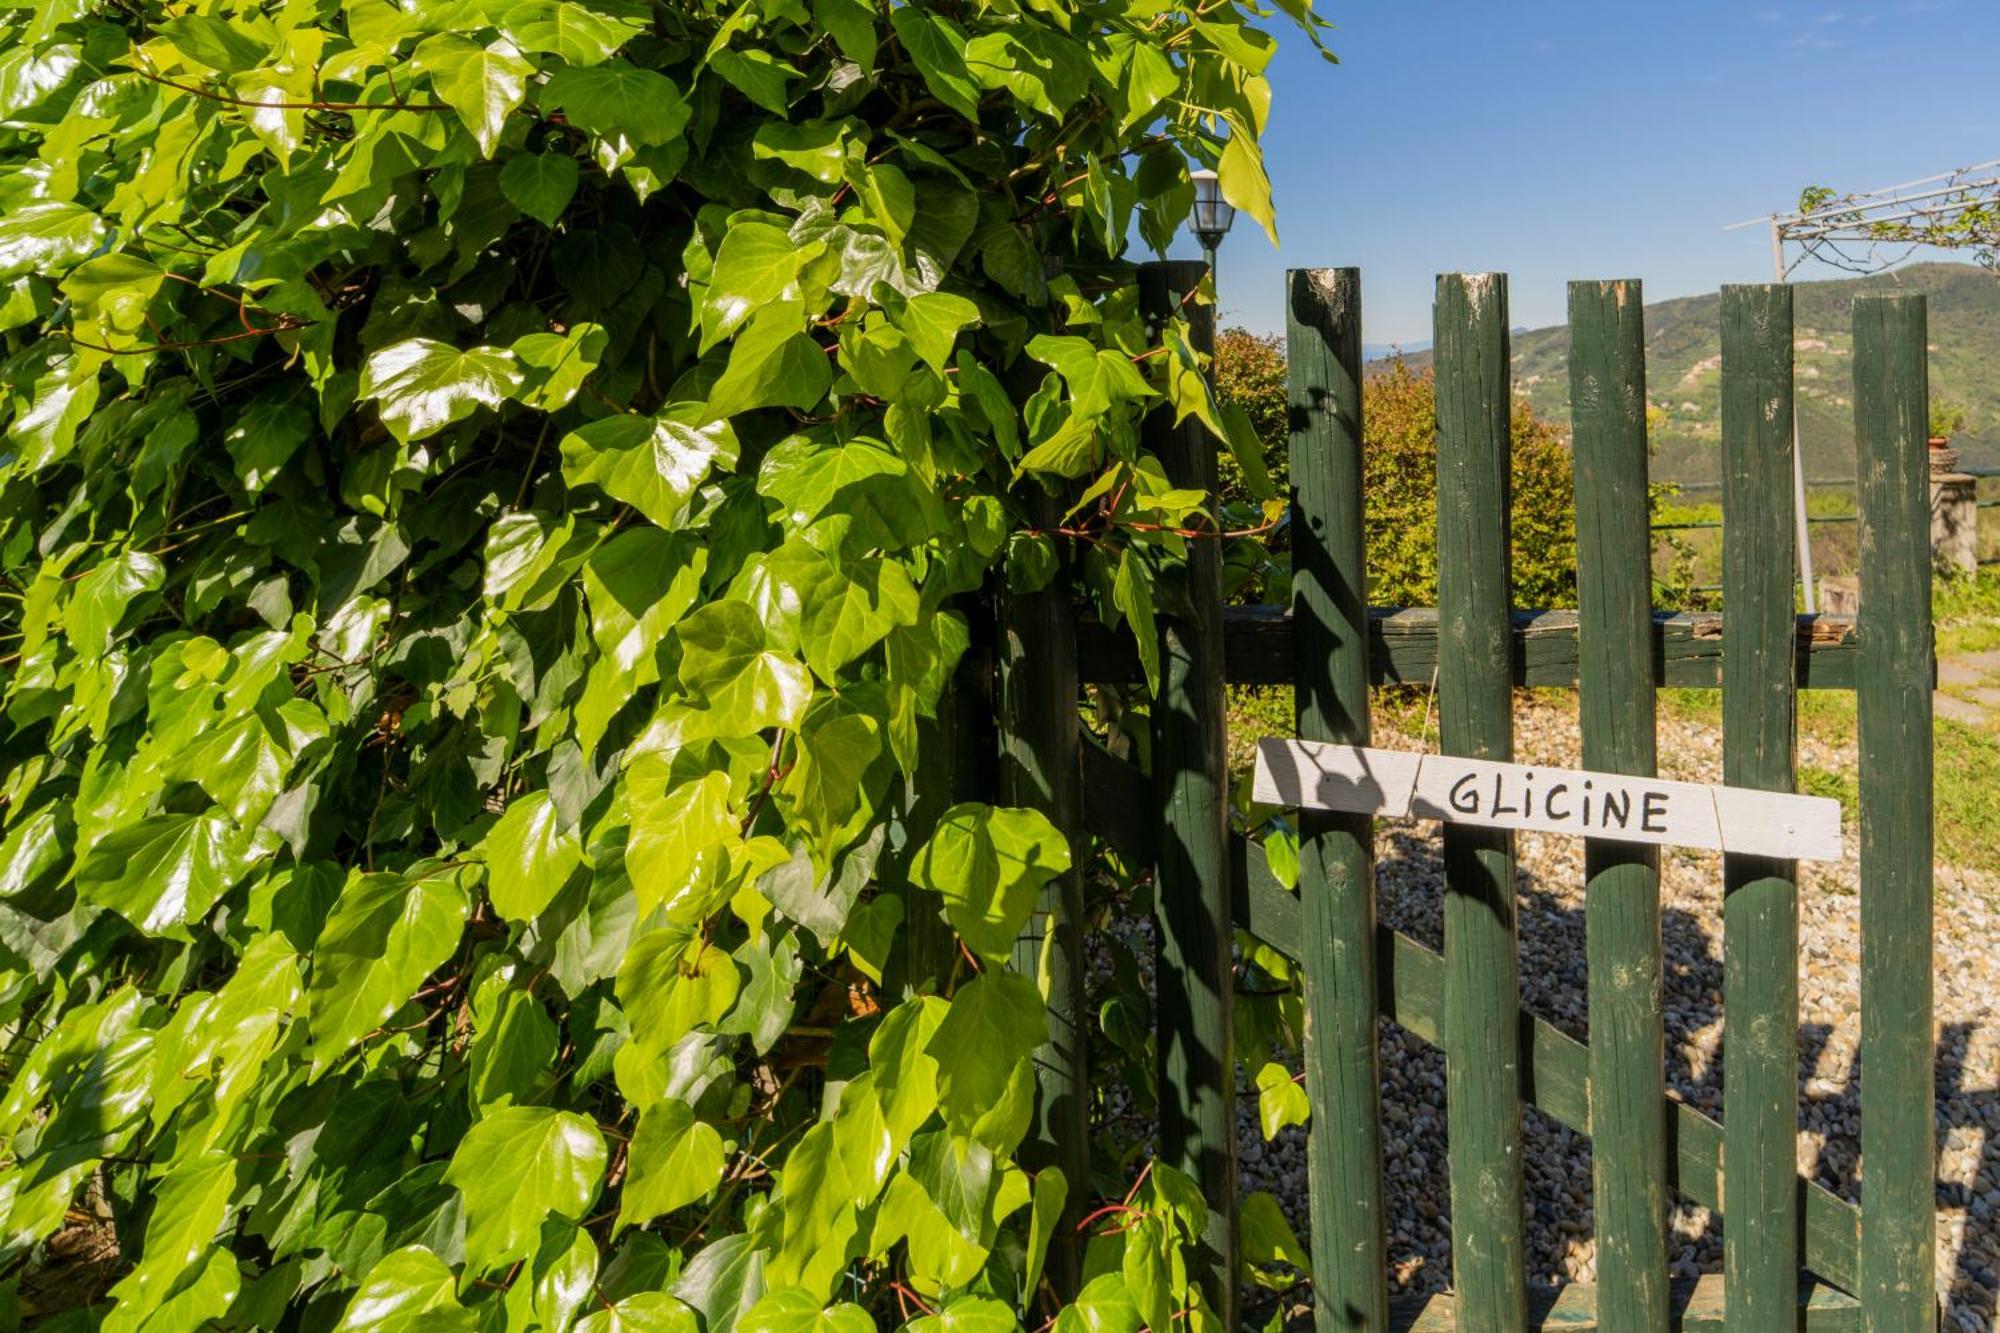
(1268, 1238)
(647, 1312)
(727, 662)
(1132, 594)
(995, 1022)
(581, 34)
(101, 597)
(556, 364)
(723, 1280)
(189, 1207)
(797, 1310)
(990, 863)
(1147, 1267)
(861, 481)
(482, 84)
(841, 609)
(517, 1167)
(424, 385)
(773, 363)
(47, 238)
(1103, 1306)
(1244, 184)
(852, 25)
(513, 1052)
(932, 322)
(681, 835)
(408, 1291)
(671, 983)
(937, 45)
(529, 856)
(164, 872)
(639, 584)
(1051, 1193)
(557, 1281)
(816, 147)
(540, 184)
(619, 101)
(969, 1314)
(386, 933)
(674, 1159)
(1280, 1100)
(756, 265)
(758, 75)
(653, 463)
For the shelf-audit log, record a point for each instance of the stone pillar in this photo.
(1955, 522)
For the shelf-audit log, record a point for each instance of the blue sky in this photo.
(1555, 139)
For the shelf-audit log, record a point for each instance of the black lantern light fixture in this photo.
(1212, 213)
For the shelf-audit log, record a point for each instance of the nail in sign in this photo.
(1316, 776)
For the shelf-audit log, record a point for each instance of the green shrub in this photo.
(1399, 431)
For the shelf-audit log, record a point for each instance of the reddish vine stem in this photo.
(230, 100)
(144, 349)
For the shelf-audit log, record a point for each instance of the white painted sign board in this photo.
(1316, 776)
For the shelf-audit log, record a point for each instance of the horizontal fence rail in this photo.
(1258, 648)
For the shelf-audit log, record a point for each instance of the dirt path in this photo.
(1968, 688)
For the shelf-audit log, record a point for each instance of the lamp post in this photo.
(1212, 215)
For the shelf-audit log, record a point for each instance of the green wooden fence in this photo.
(1795, 1255)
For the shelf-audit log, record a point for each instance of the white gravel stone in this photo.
(1409, 879)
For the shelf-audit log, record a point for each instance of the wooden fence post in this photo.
(1197, 1066)
(1039, 769)
(1628, 1109)
(1475, 711)
(1760, 1239)
(1898, 1137)
(1336, 851)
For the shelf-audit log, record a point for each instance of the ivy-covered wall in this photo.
(487, 498)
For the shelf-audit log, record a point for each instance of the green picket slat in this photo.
(1475, 712)
(1197, 1068)
(1760, 896)
(1336, 851)
(1898, 1135)
(1607, 370)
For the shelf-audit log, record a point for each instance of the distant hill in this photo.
(1683, 376)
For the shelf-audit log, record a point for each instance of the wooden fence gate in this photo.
(1795, 1254)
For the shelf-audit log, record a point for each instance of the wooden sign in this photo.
(1311, 775)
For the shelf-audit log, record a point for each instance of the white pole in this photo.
(1798, 458)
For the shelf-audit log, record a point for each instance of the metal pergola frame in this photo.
(1958, 209)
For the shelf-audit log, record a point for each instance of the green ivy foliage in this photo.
(490, 496)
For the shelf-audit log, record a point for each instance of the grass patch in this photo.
(1841, 786)
(1968, 795)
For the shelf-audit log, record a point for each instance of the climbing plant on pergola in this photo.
(1871, 231)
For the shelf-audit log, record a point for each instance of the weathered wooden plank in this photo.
(1684, 1305)
(1197, 1068)
(1686, 649)
(1539, 798)
(1628, 1150)
(1039, 730)
(1760, 895)
(1555, 1066)
(1891, 390)
(1336, 851)
(1476, 720)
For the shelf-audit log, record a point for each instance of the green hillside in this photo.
(1684, 377)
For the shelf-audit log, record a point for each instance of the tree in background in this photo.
(1399, 431)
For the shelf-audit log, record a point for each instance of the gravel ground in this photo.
(1560, 1247)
